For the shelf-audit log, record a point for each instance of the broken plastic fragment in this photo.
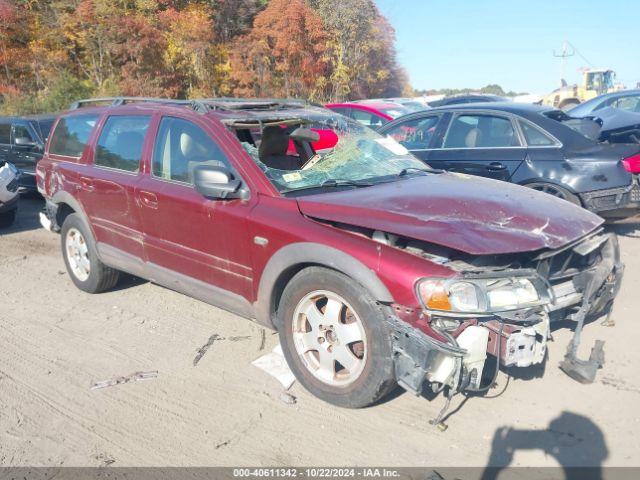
(275, 365)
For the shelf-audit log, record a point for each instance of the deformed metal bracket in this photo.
(583, 371)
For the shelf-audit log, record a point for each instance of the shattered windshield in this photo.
(325, 152)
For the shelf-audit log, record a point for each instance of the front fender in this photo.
(295, 255)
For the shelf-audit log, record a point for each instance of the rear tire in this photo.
(335, 338)
(86, 270)
(7, 218)
(556, 191)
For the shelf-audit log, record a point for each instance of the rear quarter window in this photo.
(72, 134)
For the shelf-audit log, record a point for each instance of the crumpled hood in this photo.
(471, 214)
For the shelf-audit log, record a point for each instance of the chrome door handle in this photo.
(496, 167)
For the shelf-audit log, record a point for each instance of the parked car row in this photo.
(375, 268)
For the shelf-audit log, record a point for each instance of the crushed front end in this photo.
(504, 307)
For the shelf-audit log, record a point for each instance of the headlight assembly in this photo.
(478, 296)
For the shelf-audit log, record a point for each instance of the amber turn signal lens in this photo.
(434, 295)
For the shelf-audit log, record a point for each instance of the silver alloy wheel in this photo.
(329, 338)
(77, 254)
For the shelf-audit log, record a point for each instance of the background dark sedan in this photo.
(22, 141)
(530, 145)
(626, 100)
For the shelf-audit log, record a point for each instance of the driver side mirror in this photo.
(217, 183)
(24, 142)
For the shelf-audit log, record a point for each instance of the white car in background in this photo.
(8, 193)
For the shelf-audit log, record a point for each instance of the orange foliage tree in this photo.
(284, 54)
(55, 51)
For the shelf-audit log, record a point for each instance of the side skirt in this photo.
(205, 292)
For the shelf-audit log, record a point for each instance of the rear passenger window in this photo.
(180, 147)
(72, 134)
(534, 136)
(367, 119)
(481, 131)
(415, 134)
(120, 142)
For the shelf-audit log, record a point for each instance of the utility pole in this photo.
(567, 51)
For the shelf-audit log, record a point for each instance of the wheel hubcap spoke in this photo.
(348, 333)
(314, 316)
(332, 311)
(347, 359)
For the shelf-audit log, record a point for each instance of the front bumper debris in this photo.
(601, 285)
(519, 339)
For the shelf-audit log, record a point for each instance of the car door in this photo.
(5, 139)
(108, 189)
(26, 149)
(418, 134)
(185, 232)
(482, 144)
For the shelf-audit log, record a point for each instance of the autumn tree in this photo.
(14, 51)
(363, 56)
(55, 51)
(284, 54)
(232, 18)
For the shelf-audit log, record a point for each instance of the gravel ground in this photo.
(56, 341)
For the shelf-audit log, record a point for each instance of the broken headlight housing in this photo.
(479, 296)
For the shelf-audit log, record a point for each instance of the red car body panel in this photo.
(483, 217)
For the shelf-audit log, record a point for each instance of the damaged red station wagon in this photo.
(375, 269)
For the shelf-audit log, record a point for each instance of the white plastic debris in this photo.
(275, 365)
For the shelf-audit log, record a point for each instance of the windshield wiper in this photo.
(332, 182)
(405, 171)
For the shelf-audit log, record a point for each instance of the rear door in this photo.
(482, 144)
(108, 189)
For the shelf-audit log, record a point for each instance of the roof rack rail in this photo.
(201, 105)
(117, 101)
(232, 103)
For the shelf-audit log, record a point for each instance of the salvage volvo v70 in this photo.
(375, 269)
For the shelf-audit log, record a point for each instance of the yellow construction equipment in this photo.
(594, 82)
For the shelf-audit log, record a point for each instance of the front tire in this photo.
(335, 338)
(86, 270)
